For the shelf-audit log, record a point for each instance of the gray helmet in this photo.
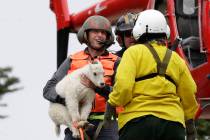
(95, 22)
(125, 23)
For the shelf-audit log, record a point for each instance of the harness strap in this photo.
(165, 62)
(155, 56)
(161, 66)
(100, 125)
(152, 75)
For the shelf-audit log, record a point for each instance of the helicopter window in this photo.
(186, 8)
(189, 7)
(187, 18)
(187, 23)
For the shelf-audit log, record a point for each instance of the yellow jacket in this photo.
(155, 96)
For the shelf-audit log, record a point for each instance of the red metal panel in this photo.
(172, 20)
(111, 9)
(60, 8)
(205, 24)
(203, 83)
(201, 73)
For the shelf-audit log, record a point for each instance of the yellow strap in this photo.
(99, 117)
(96, 117)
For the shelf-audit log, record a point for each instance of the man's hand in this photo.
(190, 129)
(61, 100)
(86, 82)
(109, 115)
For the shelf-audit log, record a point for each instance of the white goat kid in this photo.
(78, 98)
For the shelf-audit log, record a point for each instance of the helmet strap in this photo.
(120, 39)
(123, 41)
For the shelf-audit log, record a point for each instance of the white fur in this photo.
(78, 97)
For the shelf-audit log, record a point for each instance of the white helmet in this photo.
(150, 22)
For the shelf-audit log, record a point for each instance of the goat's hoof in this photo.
(81, 124)
(85, 125)
(76, 135)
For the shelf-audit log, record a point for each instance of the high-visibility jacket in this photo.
(82, 58)
(157, 95)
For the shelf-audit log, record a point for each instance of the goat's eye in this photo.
(94, 73)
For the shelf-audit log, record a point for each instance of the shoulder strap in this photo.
(161, 66)
(165, 62)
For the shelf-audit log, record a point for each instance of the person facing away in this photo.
(154, 85)
(97, 34)
(123, 32)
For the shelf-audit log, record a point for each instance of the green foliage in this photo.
(6, 84)
(203, 127)
(7, 81)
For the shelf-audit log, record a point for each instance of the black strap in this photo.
(152, 75)
(161, 66)
(146, 77)
(100, 125)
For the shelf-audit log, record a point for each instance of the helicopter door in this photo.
(188, 27)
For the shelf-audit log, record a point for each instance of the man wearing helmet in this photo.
(154, 86)
(123, 31)
(96, 33)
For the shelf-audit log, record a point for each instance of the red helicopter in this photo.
(189, 22)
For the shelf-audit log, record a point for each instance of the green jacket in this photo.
(154, 96)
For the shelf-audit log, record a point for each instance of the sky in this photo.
(28, 44)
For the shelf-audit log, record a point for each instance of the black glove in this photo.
(104, 92)
(61, 100)
(109, 115)
(190, 129)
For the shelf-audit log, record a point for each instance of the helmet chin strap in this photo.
(123, 41)
(104, 45)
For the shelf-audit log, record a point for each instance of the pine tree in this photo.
(203, 127)
(7, 83)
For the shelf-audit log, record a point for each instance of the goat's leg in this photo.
(85, 111)
(73, 110)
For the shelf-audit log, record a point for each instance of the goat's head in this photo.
(96, 74)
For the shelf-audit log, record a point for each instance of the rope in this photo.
(83, 135)
(81, 131)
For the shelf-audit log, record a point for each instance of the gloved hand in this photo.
(190, 129)
(86, 82)
(61, 100)
(109, 115)
(104, 92)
